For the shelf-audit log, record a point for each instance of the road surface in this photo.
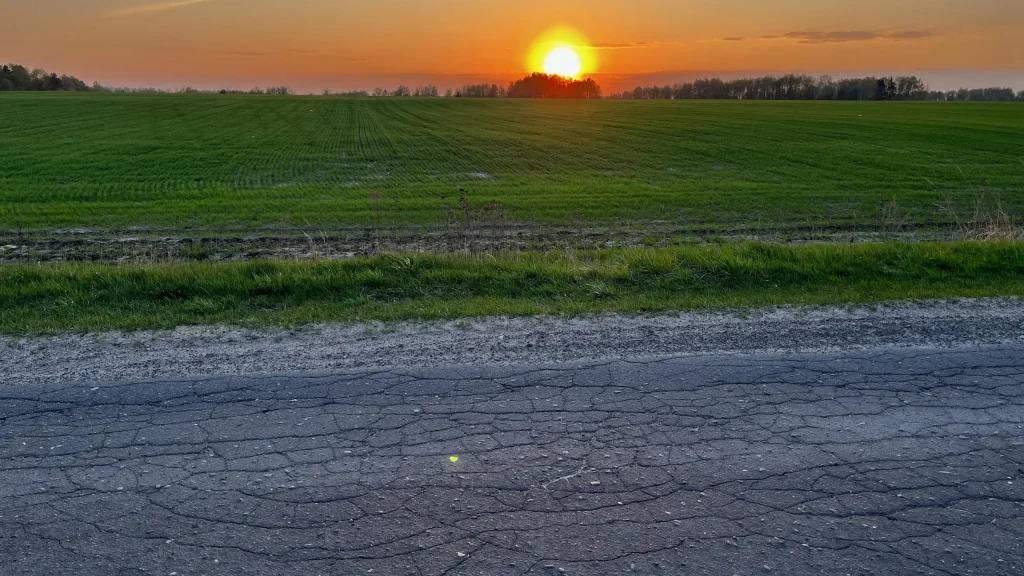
(884, 461)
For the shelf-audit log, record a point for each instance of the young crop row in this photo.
(99, 161)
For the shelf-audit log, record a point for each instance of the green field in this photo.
(51, 298)
(109, 162)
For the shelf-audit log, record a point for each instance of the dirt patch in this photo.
(481, 235)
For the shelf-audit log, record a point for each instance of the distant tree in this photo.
(827, 88)
(1000, 95)
(428, 91)
(551, 86)
(911, 88)
(482, 91)
(803, 87)
(14, 77)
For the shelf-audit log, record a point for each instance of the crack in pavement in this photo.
(875, 461)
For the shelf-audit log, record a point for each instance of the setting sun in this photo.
(562, 52)
(564, 62)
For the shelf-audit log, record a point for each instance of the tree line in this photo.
(18, 78)
(551, 86)
(803, 87)
(423, 91)
(533, 86)
(14, 77)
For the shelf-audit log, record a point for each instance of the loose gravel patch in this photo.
(204, 351)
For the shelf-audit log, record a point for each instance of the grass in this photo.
(143, 162)
(50, 298)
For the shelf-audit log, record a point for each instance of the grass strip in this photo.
(54, 298)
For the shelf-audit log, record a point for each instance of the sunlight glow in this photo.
(564, 52)
(563, 61)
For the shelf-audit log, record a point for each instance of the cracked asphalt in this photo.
(884, 461)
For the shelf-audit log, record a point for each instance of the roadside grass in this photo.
(54, 298)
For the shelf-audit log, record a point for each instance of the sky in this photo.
(311, 45)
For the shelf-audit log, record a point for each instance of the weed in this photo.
(989, 220)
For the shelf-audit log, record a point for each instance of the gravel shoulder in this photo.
(211, 351)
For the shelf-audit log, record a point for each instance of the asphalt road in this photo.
(871, 462)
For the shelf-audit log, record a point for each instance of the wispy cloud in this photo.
(910, 35)
(841, 36)
(830, 37)
(625, 45)
(152, 7)
(619, 45)
(855, 36)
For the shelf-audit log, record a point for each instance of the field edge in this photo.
(74, 297)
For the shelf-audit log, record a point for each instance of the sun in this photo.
(563, 61)
(562, 52)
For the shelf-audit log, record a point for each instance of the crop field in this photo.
(229, 163)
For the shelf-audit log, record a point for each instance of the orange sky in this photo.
(342, 44)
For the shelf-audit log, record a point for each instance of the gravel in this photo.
(222, 350)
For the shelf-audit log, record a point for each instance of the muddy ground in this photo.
(346, 242)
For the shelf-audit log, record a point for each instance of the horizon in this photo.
(313, 45)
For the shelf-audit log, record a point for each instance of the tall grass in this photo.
(60, 297)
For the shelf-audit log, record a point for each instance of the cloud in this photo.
(235, 53)
(840, 36)
(152, 8)
(910, 35)
(620, 46)
(855, 36)
(828, 37)
(626, 45)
